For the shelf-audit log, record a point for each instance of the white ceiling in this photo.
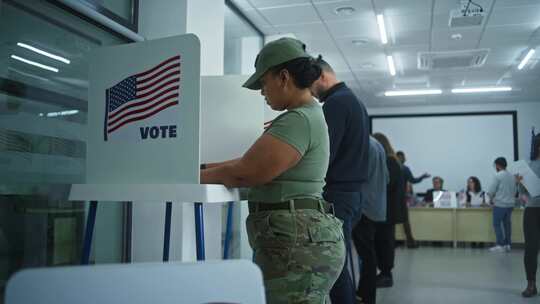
(509, 29)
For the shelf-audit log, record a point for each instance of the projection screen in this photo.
(453, 146)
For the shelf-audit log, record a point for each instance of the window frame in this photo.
(230, 4)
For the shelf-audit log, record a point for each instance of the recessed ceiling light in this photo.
(359, 42)
(367, 66)
(526, 59)
(481, 90)
(345, 10)
(412, 92)
(456, 36)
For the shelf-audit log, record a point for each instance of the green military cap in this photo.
(272, 54)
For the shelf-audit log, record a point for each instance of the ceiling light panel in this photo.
(391, 65)
(412, 92)
(526, 59)
(36, 64)
(481, 90)
(42, 52)
(382, 29)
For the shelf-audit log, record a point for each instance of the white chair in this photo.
(237, 281)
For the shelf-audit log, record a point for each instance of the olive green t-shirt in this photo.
(305, 129)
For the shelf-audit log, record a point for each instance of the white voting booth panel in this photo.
(143, 114)
(144, 141)
(232, 119)
(210, 282)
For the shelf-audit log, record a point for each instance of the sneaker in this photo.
(507, 248)
(497, 249)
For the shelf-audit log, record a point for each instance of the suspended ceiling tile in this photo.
(298, 14)
(358, 27)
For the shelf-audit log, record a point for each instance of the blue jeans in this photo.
(502, 223)
(347, 207)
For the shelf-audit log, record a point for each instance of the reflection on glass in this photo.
(43, 115)
(242, 44)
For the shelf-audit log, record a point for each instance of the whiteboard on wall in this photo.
(453, 146)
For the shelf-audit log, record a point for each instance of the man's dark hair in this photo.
(324, 65)
(400, 153)
(304, 71)
(536, 146)
(501, 162)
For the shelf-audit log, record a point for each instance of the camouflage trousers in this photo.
(301, 254)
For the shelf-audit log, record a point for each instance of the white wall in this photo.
(164, 18)
(206, 19)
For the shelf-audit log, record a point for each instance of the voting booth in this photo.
(150, 125)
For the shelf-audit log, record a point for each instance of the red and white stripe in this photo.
(157, 90)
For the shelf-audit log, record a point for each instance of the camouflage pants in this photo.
(301, 254)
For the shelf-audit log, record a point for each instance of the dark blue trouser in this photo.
(502, 219)
(347, 206)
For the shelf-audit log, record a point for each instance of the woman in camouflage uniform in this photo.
(297, 241)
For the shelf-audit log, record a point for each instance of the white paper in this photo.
(444, 199)
(530, 181)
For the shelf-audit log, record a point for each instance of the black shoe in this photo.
(413, 245)
(384, 281)
(529, 292)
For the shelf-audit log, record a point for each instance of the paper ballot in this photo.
(530, 181)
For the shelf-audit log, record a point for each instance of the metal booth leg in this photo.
(228, 230)
(167, 231)
(199, 231)
(89, 233)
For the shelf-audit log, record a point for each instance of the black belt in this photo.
(292, 205)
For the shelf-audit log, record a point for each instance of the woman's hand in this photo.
(268, 158)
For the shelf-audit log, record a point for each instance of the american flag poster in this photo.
(143, 95)
(144, 102)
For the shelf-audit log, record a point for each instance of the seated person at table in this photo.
(438, 183)
(474, 196)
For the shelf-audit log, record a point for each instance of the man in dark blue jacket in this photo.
(348, 129)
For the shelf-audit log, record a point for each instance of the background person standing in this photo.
(410, 180)
(385, 232)
(531, 226)
(373, 211)
(503, 196)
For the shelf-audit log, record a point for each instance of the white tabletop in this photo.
(186, 193)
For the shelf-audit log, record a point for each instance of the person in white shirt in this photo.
(474, 196)
(503, 194)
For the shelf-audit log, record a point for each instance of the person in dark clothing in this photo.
(373, 211)
(411, 180)
(348, 128)
(438, 185)
(531, 224)
(395, 214)
(409, 177)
